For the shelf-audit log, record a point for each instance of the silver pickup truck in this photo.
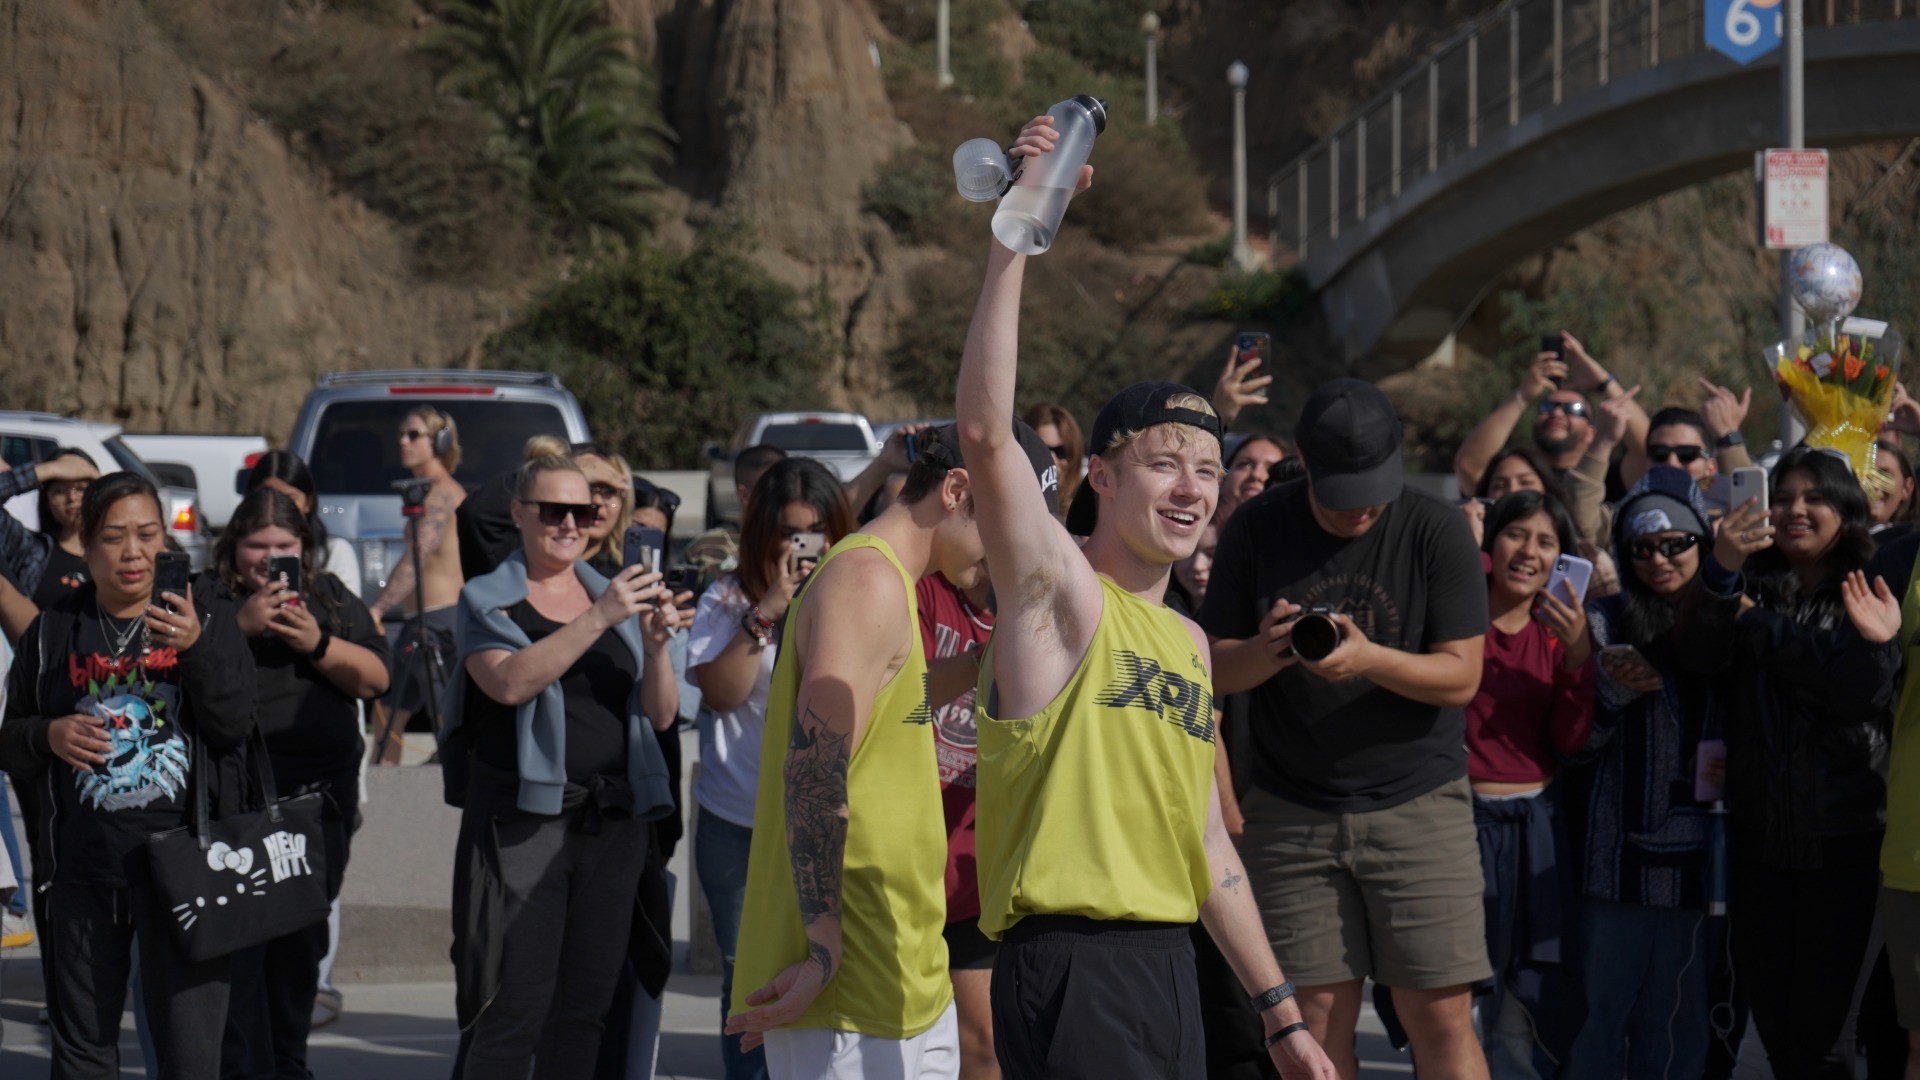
(347, 432)
(842, 441)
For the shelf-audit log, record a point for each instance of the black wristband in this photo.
(1730, 440)
(319, 652)
(1272, 996)
(1274, 1039)
(1602, 384)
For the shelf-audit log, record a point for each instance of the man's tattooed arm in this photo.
(816, 804)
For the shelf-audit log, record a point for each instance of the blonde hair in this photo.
(544, 446)
(1182, 433)
(531, 472)
(436, 422)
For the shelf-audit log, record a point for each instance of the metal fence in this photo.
(1521, 59)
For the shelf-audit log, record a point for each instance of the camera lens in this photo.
(1315, 636)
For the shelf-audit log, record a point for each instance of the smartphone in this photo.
(286, 568)
(1254, 345)
(913, 448)
(1619, 656)
(1747, 483)
(807, 548)
(170, 571)
(645, 547)
(1553, 343)
(1571, 574)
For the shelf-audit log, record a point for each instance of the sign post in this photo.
(1744, 30)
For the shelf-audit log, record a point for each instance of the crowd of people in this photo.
(1029, 753)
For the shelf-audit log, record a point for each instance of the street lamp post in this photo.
(1237, 78)
(1793, 119)
(1150, 26)
(943, 37)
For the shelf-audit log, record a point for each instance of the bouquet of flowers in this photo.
(1839, 377)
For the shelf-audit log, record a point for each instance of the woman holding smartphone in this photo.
(564, 677)
(1534, 708)
(316, 656)
(1816, 660)
(110, 690)
(1645, 827)
(730, 657)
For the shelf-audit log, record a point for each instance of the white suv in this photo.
(27, 438)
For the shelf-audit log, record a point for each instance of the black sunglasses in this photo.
(553, 513)
(604, 492)
(1059, 452)
(1573, 409)
(1658, 453)
(1645, 550)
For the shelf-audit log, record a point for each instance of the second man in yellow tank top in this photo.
(841, 967)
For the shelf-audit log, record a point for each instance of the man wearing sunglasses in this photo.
(1678, 437)
(430, 451)
(1554, 391)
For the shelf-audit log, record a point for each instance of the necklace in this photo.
(119, 638)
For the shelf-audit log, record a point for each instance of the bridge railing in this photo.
(1523, 58)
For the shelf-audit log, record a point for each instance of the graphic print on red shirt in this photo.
(948, 624)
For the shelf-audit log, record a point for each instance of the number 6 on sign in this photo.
(1743, 30)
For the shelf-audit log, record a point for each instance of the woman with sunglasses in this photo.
(564, 677)
(1661, 641)
(730, 656)
(1816, 660)
(608, 483)
(316, 657)
(1061, 432)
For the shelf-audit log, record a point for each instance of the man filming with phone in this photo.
(430, 451)
(1555, 390)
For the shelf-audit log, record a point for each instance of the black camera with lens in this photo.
(1315, 634)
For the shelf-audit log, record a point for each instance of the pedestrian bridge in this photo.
(1541, 118)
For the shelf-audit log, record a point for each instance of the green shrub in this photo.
(1105, 34)
(1212, 252)
(1271, 296)
(666, 351)
(909, 191)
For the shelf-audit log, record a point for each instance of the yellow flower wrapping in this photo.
(1839, 419)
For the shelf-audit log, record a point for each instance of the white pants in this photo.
(825, 1054)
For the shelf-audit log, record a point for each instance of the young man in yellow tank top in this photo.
(1099, 828)
(841, 967)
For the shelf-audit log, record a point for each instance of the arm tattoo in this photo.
(816, 804)
(819, 954)
(1232, 880)
(427, 531)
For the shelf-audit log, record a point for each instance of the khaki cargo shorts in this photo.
(1394, 895)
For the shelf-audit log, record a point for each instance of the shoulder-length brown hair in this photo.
(791, 480)
(1074, 465)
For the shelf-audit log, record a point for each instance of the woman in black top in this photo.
(564, 677)
(48, 564)
(316, 654)
(107, 696)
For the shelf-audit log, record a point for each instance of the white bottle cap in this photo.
(981, 170)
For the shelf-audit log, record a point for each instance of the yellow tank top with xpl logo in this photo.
(1097, 805)
(892, 981)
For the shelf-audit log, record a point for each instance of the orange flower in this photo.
(1854, 366)
(1881, 372)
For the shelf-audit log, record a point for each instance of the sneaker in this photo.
(15, 931)
(326, 1007)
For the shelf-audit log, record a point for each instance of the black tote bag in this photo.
(247, 878)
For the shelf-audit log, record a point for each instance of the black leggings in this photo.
(1799, 942)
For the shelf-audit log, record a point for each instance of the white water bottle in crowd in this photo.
(1030, 214)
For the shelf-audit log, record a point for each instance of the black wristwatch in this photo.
(319, 652)
(1272, 996)
(1730, 440)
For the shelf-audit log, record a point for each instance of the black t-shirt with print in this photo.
(1412, 581)
(107, 813)
(65, 572)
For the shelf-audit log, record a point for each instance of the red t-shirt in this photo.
(947, 625)
(1529, 710)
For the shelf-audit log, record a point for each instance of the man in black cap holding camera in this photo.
(1359, 834)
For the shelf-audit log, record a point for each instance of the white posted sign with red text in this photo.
(1794, 199)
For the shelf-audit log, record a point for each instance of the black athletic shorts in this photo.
(967, 948)
(1083, 998)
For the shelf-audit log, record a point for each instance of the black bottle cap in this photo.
(1096, 107)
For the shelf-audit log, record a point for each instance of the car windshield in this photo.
(356, 447)
(129, 461)
(813, 438)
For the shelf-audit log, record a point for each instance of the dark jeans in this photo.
(569, 896)
(720, 862)
(90, 933)
(1648, 1010)
(274, 985)
(1799, 942)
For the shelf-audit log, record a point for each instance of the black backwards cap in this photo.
(1136, 408)
(940, 448)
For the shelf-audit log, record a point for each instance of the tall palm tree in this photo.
(575, 116)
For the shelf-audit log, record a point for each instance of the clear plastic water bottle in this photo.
(1030, 214)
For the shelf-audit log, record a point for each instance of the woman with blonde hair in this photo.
(1061, 432)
